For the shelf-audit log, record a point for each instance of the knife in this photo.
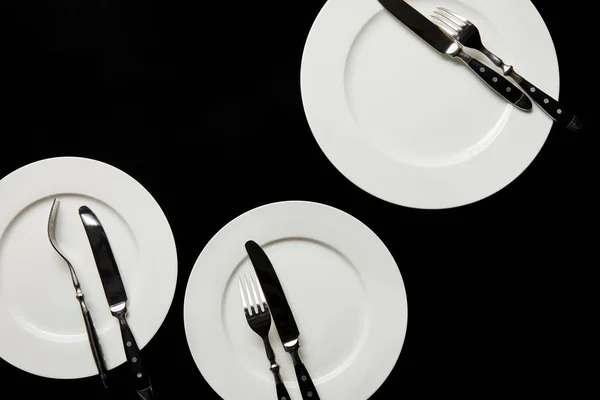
(282, 315)
(437, 39)
(115, 296)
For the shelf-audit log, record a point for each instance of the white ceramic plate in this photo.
(412, 126)
(42, 330)
(343, 286)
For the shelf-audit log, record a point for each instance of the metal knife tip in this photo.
(85, 210)
(87, 216)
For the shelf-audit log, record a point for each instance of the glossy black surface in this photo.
(565, 118)
(278, 304)
(305, 383)
(105, 259)
(307, 387)
(138, 373)
(500, 85)
(419, 24)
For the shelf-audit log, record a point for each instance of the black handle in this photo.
(94, 341)
(282, 393)
(563, 117)
(132, 352)
(307, 387)
(500, 84)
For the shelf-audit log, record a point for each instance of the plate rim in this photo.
(411, 196)
(189, 309)
(77, 371)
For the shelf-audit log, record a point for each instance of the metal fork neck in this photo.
(76, 284)
(507, 70)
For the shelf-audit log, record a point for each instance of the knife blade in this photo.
(436, 38)
(116, 296)
(282, 315)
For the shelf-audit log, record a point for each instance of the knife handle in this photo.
(93, 339)
(498, 83)
(307, 387)
(132, 352)
(563, 117)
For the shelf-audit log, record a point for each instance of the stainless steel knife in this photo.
(282, 315)
(116, 297)
(437, 39)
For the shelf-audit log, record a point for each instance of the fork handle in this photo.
(93, 339)
(498, 83)
(563, 117)
(282, 393)
(307, 387)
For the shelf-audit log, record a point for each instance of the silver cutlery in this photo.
(258, 317)
(440, 41)
(467, 34)
(282, 315)
(116, 297)
(87, 317)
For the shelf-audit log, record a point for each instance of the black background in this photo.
(197, 99)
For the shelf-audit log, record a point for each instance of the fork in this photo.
(87, 317)
(258, 316)
(467, 34)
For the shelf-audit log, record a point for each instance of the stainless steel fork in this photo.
(87, 317)
(258, 316)
(467, 34)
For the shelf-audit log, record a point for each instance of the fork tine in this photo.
(244, 303)
(258, 303)
(455, 15)
(262, 296)
(252, 307)
(445, 27)
(448, 21)
(451, 18)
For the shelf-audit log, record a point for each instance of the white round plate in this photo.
(415, 127)
(42, 329)
(343, 286)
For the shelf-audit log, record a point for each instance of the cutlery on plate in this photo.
(445, 44)
(467, 34)
(115, 296)
(282, 315)
(87, 317)
(258, 316)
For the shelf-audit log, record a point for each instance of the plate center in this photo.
(327, 297)
(416, 105)
(35, 283)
